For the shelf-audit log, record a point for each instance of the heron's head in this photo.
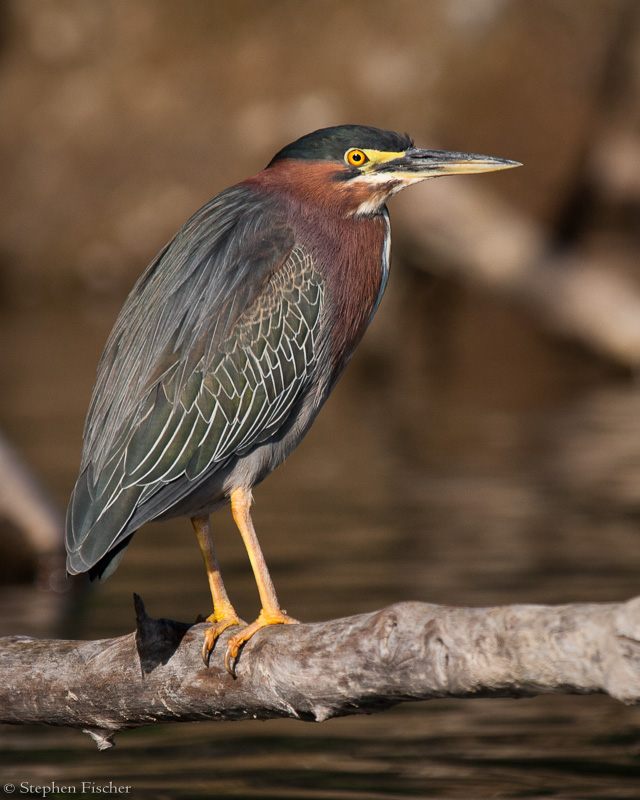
(362, 166)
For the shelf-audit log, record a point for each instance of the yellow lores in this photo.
(369, 158)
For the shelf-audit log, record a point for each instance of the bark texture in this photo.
(361, 664)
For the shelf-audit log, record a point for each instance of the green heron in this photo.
(231, 341)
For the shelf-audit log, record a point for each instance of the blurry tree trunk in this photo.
(485, 241)
(31, 527)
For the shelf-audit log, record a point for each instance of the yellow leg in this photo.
(271, 613)
(224, 613)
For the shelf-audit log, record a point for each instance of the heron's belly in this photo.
(249, 469)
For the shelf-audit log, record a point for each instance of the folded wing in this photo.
(207, 358)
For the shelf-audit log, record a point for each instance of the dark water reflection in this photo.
(432, 476)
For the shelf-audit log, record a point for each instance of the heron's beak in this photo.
(420, 164)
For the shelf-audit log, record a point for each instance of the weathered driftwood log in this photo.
(361, 664)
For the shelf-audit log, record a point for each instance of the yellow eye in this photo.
(355, 157)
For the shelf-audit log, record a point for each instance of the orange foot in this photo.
(277, 617)
(221, 621)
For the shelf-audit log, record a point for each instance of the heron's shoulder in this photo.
(185, 303)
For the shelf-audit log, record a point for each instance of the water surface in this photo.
(447, 473)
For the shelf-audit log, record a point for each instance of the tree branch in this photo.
(489, 243)
(361, 664)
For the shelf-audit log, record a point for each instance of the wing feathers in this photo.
(229, 356)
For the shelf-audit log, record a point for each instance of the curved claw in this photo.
(230, 662)
(212, 633)
(236, 642)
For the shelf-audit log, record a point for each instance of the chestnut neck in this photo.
(349, 252)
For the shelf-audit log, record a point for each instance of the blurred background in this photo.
(482, 448)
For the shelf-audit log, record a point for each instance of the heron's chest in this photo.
(353, 260)
(356, 284)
